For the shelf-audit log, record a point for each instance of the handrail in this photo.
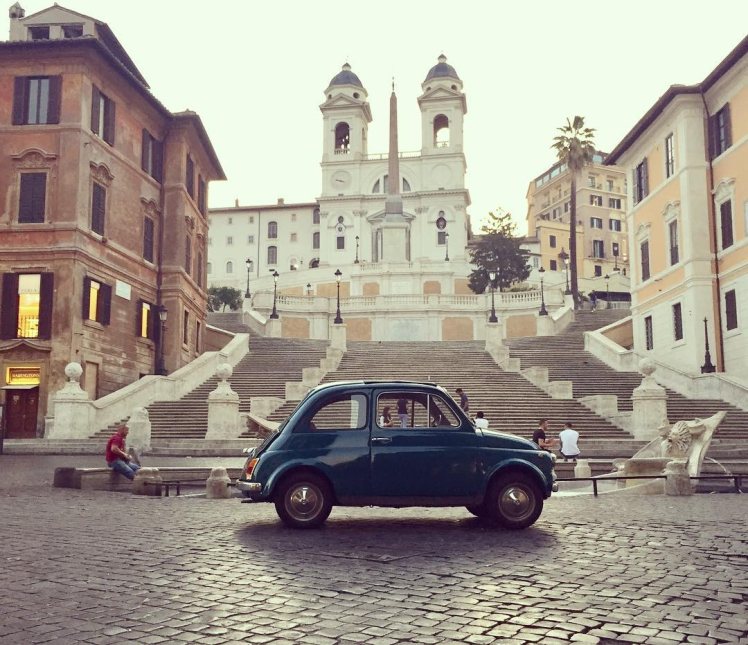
(737, 479)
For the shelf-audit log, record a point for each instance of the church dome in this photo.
(442, 70)
(346, 77)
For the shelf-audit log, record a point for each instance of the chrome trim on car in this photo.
(250, 487)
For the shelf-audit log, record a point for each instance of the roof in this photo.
(673, 91)
(442, 69)
(197, 122)
(346, 77)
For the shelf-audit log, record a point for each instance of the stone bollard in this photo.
(147, 482)
(677, 481)
(217, 485)
(582, 469)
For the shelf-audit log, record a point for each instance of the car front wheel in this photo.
(304, 501)
(514, 501)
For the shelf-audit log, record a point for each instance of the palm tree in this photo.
(575, 147)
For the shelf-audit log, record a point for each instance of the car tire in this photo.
(514, 501)
(304, 501)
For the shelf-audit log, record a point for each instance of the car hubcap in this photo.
(516, 502)
(304, 502)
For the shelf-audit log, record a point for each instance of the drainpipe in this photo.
(715, 259)
(160, 261)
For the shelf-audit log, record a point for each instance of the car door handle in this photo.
(381, 440)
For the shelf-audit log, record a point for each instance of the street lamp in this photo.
(162, 315)
(543, 311)
(446, 247)
(356, 260)
(607, 291)
(492, 277)
(274, 314)
(564, 257)
(249, 264)
(707, 367)
(338, 319)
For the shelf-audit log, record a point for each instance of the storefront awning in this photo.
(30, 386)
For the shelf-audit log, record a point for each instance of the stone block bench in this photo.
(107, 479)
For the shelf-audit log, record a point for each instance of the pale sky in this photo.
(256, 72)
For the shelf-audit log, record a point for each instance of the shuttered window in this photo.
(33, 197)
(677, 321)
(148, 229)
(648, 333)
(725, 216)
(188, 255)
(189, 178)
(97, 301)
(644, 248)
(146, 325)
(152, 155)
(27, 302)
(731, 310)
(720, 132)
(98, 208)
(36, 100)
(201, 194)
(641, 181)
(102, 115)
(199, 270)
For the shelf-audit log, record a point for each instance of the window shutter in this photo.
(645, 178)
(9, 311)
(635, 182)
(728, 125)
(105, 304)
(55, 99)
(86, 303)
(109, 116)
(145, 141)
(46, 302)
(139, 318)
(98, 208)
(152, 323)
(725, 210)
(158, 160)
(95, 107)
(19, 100)
(31, 204)
(148, 239)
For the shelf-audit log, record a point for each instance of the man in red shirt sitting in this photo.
(117, 457)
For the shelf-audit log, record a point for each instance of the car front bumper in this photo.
(249, 487)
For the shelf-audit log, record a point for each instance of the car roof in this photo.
(387, 383)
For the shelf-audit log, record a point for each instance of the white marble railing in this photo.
(120, 404)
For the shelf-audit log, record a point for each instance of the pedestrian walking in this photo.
(464, 403)
(593, 301)
(569, 442)
(117, 457)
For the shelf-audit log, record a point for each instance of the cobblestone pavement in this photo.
(98, 567)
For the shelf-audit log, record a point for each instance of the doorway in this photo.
(21, 408)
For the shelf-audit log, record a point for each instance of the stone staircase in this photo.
(264, 371)
(565, 358)
(508, 400)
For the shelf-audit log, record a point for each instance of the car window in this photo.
(342, 412)
(414, 410)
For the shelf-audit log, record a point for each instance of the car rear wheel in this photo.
(304, 501)
(514, 501)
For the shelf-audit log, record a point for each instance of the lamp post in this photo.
(446, 247)
(607, 291)
(543, 311)
(564, 257)
(162, 315)
(338, 319)
(492, 277)
(356, 260)
(249, 264)
(309, 288)
(274, 314)
(707, 367)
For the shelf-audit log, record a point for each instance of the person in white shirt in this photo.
(569, 442)
(480, 421)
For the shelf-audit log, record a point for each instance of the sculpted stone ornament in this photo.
(139, 438)
(223, 407)
(72, 388)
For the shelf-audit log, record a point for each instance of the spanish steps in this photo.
(566, 359)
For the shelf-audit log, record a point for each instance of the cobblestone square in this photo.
(99, 567)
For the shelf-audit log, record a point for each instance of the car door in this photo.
(427, 451)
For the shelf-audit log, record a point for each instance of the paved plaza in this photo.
(100, 567)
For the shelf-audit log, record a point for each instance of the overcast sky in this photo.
(256, 73)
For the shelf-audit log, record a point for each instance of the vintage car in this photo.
(395, 444)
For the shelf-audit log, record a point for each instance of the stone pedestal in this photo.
(338, 337)
(139, 435)
(148, 481)
(223, 408)
(217, 484)
(494, 335)
(582, 469)
(649, 403)
(73, 412)
(545, 326)
(273, 328)
(677, 481)
(394, 240)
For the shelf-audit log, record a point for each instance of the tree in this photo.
(221, 297)
(575, 147)
(498, 250)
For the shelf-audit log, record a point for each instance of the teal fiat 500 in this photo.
(394, 444)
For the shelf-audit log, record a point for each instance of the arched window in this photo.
(229, 267)
(272, 255)
(406, 186)
(383, 182)
(377, 187)
(441, 131)
(315, 240)
(315, 216)
(342, 138)
(272, 230)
